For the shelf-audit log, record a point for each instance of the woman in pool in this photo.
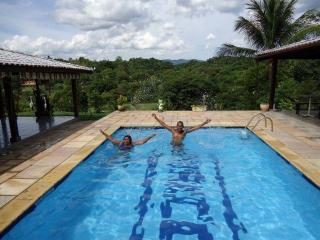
(127, 143)
(179, 132)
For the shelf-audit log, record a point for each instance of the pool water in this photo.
(218, 185)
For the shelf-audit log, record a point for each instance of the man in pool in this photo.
(126, 143)
(178, 132)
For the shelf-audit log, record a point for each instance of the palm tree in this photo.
(272, 24)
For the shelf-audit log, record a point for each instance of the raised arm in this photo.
(198, 126)
(110, 138)
(162, 123)
(143, 141)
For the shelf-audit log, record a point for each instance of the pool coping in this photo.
(290, 156)
(16, 208)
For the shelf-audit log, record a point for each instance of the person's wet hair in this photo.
(180, 123)
(130, 138)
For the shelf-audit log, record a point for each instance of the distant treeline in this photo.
(228, 83)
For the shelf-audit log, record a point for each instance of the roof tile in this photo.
(12, 58)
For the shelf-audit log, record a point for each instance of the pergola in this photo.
(309, 49)
(33, 68)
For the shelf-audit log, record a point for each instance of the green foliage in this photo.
(141, 106)
(230, 83)
(147, 90)
(95, 100)
(271, 24)
(122, 100)
(61, 97)
(285, 104)
(263, 99)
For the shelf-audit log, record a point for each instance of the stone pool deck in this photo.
(22, 185)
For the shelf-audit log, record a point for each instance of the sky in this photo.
(106, 29)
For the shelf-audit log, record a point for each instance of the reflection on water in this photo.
(29, 126)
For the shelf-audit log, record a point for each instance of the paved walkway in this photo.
(300, 139)
(22, 185)
(22, 151)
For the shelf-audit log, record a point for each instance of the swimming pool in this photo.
(216, 186)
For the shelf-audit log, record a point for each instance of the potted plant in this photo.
(199, 108)
(264, 105)
(121, 101)
(202, 104)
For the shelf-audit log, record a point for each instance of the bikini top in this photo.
(122, 146)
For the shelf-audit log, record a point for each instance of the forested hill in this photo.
(228, 82)
(178, 61)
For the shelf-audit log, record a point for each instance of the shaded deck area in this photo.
(295, 139)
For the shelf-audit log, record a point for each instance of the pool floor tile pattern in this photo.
(22, 185)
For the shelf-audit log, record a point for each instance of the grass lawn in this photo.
(142, 106)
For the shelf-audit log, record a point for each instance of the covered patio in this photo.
(309, 49)
(33, 70)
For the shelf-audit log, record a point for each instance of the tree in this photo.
(271, 24)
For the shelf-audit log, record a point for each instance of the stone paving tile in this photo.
(5, 199)
(74, 144)
(84, 138)
(34, 171)
(45, 153)
(52, 160)
(64, 151)
(15, 186)
(22, 166)
(5, 176)
(14, 162)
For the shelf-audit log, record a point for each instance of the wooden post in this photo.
(273, 80)
(297, 108)
(37, 95)
(11, 110)
(2, 111)
(75, 97)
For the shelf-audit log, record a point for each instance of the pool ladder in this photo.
(263, 117)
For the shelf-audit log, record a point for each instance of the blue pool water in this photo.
(216, 186)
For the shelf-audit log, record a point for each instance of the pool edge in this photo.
(290, 156)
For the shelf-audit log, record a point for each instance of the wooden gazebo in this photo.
(32, 68)
(309, 49)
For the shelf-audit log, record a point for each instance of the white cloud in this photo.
(210, 37)
(128, 28)
(144, 41)
(202, 7)
(103, 14)
(93, 43)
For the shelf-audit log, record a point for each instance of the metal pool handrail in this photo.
(264, 117)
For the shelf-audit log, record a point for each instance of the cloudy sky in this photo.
(105, 29)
